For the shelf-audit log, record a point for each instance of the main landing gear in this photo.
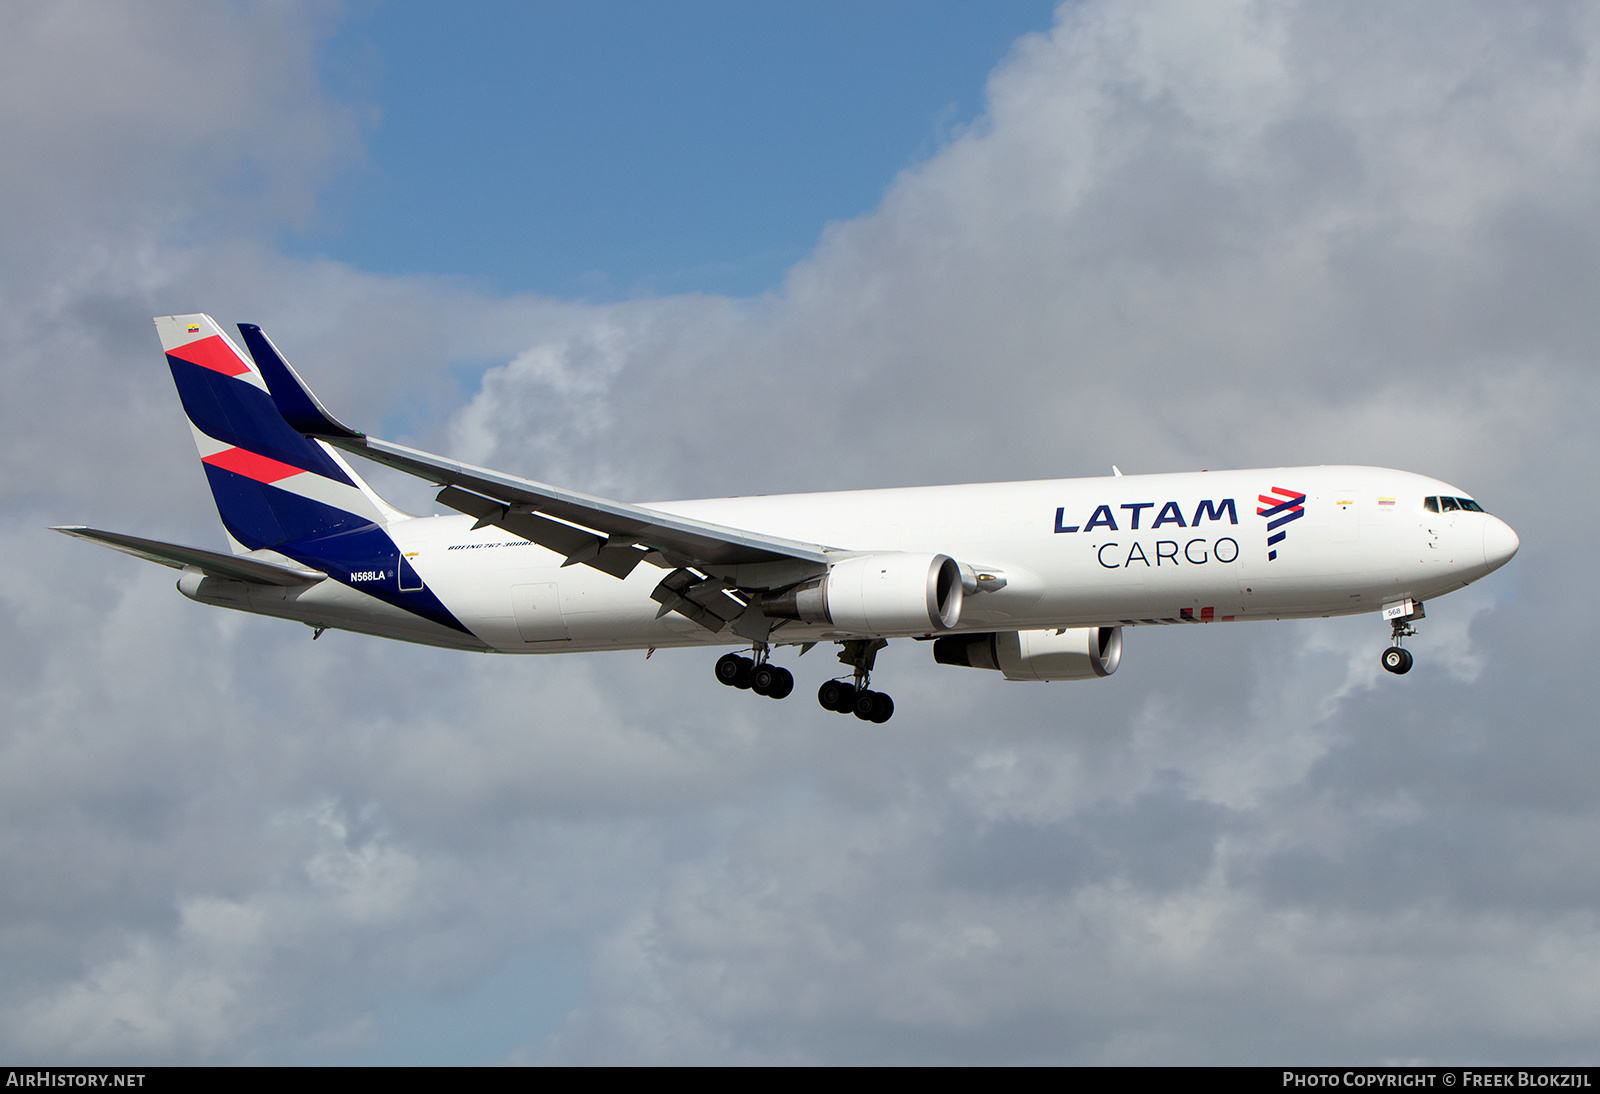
(755, 674)
(847, 696)
(853, 696)
(1397, 659)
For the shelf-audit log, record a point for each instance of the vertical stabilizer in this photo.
(272, 485)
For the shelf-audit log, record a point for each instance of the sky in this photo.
(755, 248)
(601, 151)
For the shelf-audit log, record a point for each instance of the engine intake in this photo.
(896, 592)
(1075, 654)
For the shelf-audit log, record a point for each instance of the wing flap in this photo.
(578, 544)
(705, 601)
(213, 563)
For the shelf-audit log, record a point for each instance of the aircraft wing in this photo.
(513, 501)
(212, 563)
(608, 535)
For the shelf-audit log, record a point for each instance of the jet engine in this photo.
(895, 592)
(1075, 654)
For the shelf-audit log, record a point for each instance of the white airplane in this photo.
(1032, 579)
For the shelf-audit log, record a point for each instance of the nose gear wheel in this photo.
(1397, 659)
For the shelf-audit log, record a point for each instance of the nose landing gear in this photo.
(853, 696)
(1397, 659)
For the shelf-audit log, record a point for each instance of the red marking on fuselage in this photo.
(213, 353)
(251, 465)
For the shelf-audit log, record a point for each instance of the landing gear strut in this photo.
(755, 674)
(853, 696)
(1397, 659)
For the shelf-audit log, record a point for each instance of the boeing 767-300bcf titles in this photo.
(1032, 579)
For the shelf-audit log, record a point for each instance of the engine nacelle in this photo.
(219, 591)
(897, 592)
(1082, 653)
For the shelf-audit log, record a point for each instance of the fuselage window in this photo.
(1470, 506)
(1431, 504)
(1449, 505)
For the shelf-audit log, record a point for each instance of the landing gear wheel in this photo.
(734, 670)
(873, 706)
(782, 684)
(1397, 660)
(761, 679)
(771, 681)
(836, 695)
(865, 705)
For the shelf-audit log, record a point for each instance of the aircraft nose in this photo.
(1499, 543)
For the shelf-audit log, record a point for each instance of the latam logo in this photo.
(1280, 508)
(1170, 513)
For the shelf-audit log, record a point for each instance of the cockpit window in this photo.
(1451, 505)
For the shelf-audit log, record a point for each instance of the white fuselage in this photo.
(1135, 549)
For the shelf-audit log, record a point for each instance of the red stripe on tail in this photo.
(213, 353)
(251, 465)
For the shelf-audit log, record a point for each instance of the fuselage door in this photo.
(1438, 526)
(538, 612)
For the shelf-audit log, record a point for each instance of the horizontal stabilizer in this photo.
(212, 563)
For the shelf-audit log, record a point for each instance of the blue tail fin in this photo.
(278, 489)
(272, 485)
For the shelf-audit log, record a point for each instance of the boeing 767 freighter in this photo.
(1034, 580)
